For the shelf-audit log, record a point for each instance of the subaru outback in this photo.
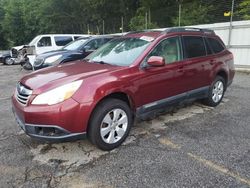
(127, 78)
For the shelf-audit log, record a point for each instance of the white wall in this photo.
(240, 38)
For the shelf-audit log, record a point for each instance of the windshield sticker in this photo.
(146, 38)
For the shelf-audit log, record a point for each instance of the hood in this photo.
(53, 53)
(18, 47)
(52, 77)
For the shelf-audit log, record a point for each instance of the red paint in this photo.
(142, 86)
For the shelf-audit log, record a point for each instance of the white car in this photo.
(41, 44)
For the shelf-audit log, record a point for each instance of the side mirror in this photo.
(156, 61)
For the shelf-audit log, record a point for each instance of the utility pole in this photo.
(149, 16)
(146, 20)
(122, 24)
(179, 24)
(231, 24)
(98, 31)
(103, 27)
(88, 29)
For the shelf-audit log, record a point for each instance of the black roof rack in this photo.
(188, 29)
(143, 31)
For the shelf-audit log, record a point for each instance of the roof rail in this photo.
(188, 29)
(143, 31)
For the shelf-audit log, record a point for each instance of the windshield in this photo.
(33, 42)
(75, 45)
(121, 52)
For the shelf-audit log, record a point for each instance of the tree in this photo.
(193, 13)
(244, 9)
(139, 21)
(3, 39)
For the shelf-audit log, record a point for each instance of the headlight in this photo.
(58, 94)
(52, 59)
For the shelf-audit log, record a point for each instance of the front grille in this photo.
(22, 94)
(38, 62)
(14, 53)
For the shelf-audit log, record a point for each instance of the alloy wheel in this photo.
(218, 91)
(114, 126)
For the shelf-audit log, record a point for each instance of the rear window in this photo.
(215, 45)
(63, 40)
(194, 46)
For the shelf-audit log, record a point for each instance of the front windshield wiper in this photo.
(99, 62)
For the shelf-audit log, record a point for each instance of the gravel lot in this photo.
(193, 146)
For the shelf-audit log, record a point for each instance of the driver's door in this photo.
(160, 85)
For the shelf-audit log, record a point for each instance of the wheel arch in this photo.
(223, 74)
(121, 95)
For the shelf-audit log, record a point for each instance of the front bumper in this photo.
(47, 132)
(65, 121)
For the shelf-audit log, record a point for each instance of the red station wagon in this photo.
(132, 76)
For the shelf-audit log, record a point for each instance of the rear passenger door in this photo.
(196, 71)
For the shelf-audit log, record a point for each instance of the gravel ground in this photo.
(192, 146)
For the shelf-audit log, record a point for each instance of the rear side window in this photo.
(209, 51)
(215, 45)
(44, 42)
(194, 46)
(63, 40)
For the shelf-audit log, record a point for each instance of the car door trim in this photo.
(170, 101)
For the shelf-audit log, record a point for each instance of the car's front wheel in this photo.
(216, 92)
(110, 124)
(8, 61)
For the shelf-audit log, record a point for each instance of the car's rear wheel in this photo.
(216, 92)
(110, 124)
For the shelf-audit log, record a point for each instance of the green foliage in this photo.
(244, 9)
(22, 20)
(139, 21)
(194, 13)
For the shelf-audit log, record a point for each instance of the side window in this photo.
(62, 40)
(105, 40)
(194, 46)
(92, 45)
(100, 42)
(208, 48)
(44, 42)
(216, 45)
(169, 49)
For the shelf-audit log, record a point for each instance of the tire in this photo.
(27, 66)
(216, 92)
(8, 61)
(104, 124)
